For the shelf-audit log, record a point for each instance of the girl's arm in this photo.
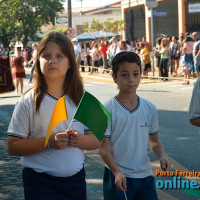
(120, 179)
(86, 142)
(26, 147)
(164, 50)
(158, 149)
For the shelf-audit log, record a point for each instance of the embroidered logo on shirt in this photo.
(145, 125)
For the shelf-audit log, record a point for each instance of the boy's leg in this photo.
(110, 190)
(147, 189)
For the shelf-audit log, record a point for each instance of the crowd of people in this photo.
(174, 55)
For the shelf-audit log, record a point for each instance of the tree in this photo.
(109, 25)
(22, 19)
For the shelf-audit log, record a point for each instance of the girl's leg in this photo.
(17, 85)
(185, 77)
(177, 65)
(173, 67)
(21, 84)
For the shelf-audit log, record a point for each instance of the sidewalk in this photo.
(107, 77)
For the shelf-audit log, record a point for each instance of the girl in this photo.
(164, 52)
(121, 46)
(19, 71)
(186, 65)
(55, 171)
(174, 54)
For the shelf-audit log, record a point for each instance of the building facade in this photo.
(170, 17)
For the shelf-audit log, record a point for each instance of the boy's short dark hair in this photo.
(122, 57)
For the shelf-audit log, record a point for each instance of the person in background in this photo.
(19, 71)
(88, 55)
(174, 52)
(55, 171)
(121, 46)
(82, 57)
(157, 49)
(196, 53)
(103, 49)
(128, 45)
(188, 44)
(185, 65)
(164, 52)
(95, 57)
(147, 44)
(145, 55)
(77, 51)
(32, 61)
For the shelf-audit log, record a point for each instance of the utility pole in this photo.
(69, 14)
(152, 41)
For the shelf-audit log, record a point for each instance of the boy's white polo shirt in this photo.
(129, 135)
(26, 124)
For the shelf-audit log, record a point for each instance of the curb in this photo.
(110, 80)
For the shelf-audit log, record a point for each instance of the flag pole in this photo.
(125, 195)
(75, 113)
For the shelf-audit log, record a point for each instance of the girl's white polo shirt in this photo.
(26, 124)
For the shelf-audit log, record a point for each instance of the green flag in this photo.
(193, 192)
(93, 114)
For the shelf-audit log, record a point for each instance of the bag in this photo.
(156, 54)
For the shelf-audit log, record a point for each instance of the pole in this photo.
(69, 14)
(152, 40)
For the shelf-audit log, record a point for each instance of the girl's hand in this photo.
(75, 138)
(120, 181)
(59, 140)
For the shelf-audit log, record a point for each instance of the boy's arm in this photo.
(120, 179)
(158, 149)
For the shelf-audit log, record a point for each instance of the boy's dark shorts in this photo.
(137, 188)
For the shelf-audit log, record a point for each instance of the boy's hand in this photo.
(75, 138)
(59, 140)
(164, 163)
(120, 181)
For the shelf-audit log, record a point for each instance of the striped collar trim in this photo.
(53, 96)
(130, 111)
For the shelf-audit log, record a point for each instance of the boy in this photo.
(134, 123)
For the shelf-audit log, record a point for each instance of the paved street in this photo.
(172, 100)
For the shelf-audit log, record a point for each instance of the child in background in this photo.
(55, 171)
(19, 71)
(185, 65)
(134, 124)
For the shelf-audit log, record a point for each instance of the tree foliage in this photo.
(22, 19)
(109, 25)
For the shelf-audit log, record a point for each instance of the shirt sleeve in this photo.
(194, 109)
(19, 124)
(154, 122)
(109, 128)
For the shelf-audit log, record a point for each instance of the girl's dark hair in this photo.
(123, 57)
(73, 85)
(188, 39)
